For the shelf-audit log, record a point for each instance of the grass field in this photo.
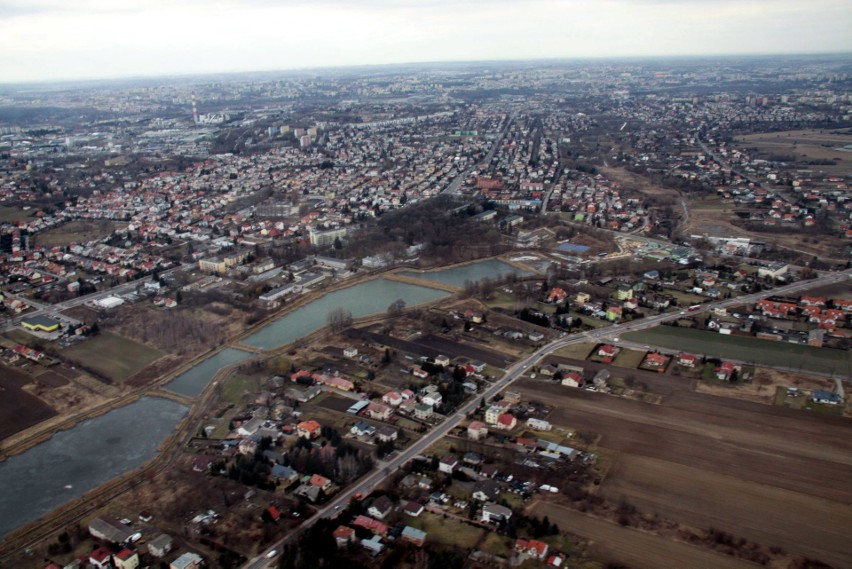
(447, 531)
(751, 350)
(575, 351)
(237, 386)
(78, 231)
(629, 359)
(496, 545)
(113, 356)
(13, 214)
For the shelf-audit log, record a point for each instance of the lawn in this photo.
(78, 231)
(752, 350)
(629, 359)
(496, 545)
(685, 298)
(113, 356)
(447, 531)
(501, 299)
(589, 321)
(575, 351)
(12, 214)
(236, 387)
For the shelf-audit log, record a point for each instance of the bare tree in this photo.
(339, 319)
(396, 307)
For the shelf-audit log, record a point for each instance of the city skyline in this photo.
(47, 40)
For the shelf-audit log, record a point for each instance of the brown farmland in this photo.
(19, 409)
(637, 549)
(752, 470)
(819, 528)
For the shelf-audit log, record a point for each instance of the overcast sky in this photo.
(62, 39)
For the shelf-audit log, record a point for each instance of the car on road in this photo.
(337, 507)
(272, 554)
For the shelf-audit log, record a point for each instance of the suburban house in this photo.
(492, 512)
(321, 482)
(531, 547)
(380, 507)
(363, 429)
(344, 535)
(308, 429)
(281, 472)
(492, 414)
(477, 431)
(432, 399)
(374, 545)
(448, 464)
(687, 360)
(539, 424)
(350, 352)
(486, 490)
(413, 535)
(824, 397)
(582, 298)
(160, 546)
(725, 371)
(656, 361)
(413, 509)
(422, 411)
(442, 360)
(101, 558)
(379, 411)
(506, 422)
(126, 559)
(556, 295)
(188, 560)
(392, 398)
(372, 525)
(607, 351)
(623, 292)
(572, 379)
(386, 433)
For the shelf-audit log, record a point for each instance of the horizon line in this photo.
(331, 67)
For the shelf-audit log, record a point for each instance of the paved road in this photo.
(385, 469)
(453, 187)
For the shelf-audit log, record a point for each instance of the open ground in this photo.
(751, 350)
(749, 469)
(616, 544)
(804, 146)
(115, 357)
(79, 231)
(19, 409)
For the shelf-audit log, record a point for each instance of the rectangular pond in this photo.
(193, 381)
(365, 299)
(473, 272)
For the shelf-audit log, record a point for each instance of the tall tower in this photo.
(194, 110)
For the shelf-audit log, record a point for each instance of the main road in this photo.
(384, 469)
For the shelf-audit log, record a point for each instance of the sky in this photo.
(45, 40)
